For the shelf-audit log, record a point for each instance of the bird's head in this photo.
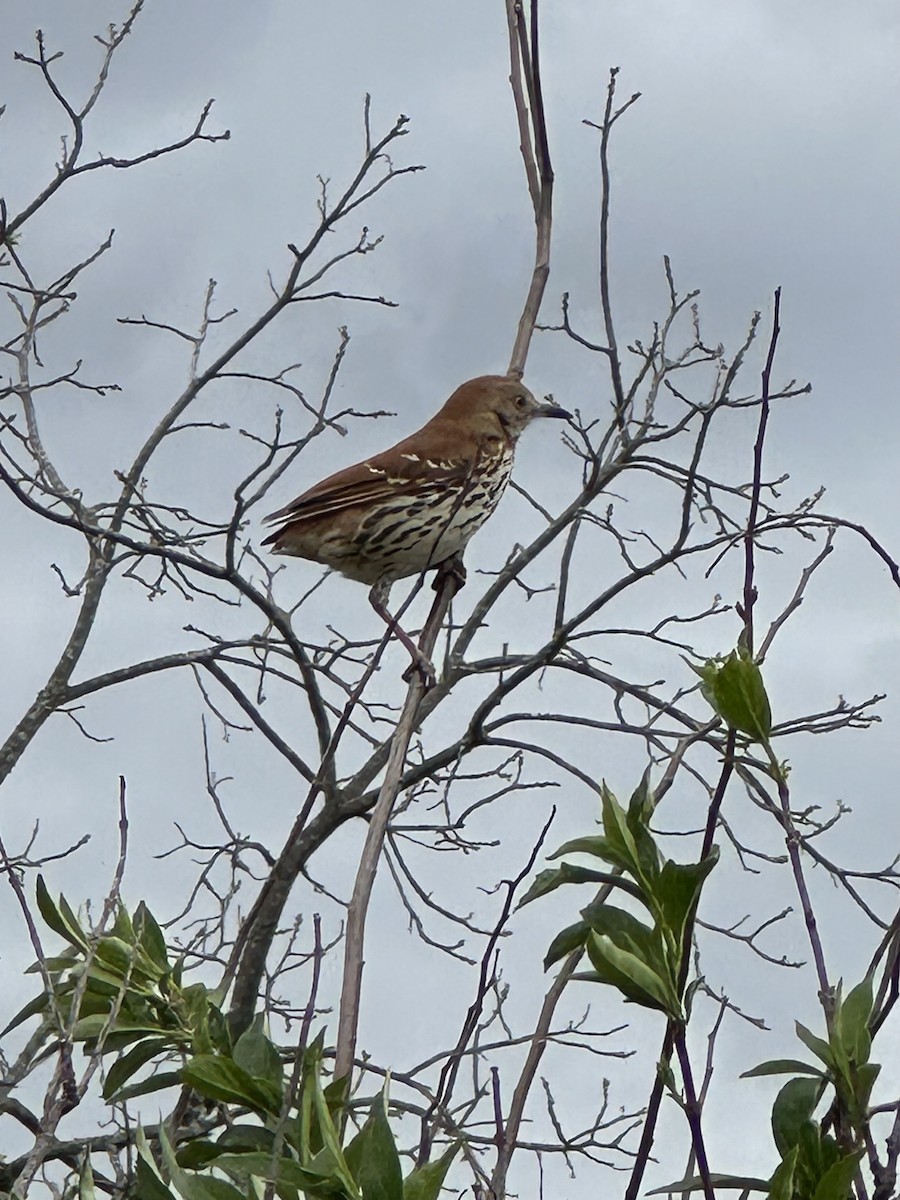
(493, 404)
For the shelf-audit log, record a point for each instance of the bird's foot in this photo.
(423, 666)
(453, 568)
(421, 663)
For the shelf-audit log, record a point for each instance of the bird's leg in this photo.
(451, 567)
(420, 662)
(449, 578)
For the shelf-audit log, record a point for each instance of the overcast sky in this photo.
(764, 152)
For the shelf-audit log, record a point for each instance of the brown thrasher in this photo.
(415, 506)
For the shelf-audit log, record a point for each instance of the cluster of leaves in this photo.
(118, 993)
(819, 1159)
(643, 961)
(294, 1143)
(734, 688)
(817, 1164)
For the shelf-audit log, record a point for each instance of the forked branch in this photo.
(525, 78)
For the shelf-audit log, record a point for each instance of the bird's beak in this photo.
(552, 410)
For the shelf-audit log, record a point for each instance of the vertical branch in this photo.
(792, 837)
(520, 87)
(446, 584)
(614, 365)
(692, 1112)
(526, 1078)
(610, 116)
(793, 841)
(450, 1071)
(525, 79)
(746, 609)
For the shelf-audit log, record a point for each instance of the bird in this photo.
(414, 507)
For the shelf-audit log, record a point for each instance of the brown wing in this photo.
(398, 471)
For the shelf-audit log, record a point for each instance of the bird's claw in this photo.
(453, 568)
(421, 665)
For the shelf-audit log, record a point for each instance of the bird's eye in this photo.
(521, 401)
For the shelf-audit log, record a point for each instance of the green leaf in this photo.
(78, 936)
(117, 956)
(156, 1083)
(66, 928)
(617, 923)
(735, 690)
(191, 1186)
(149, 1181)
(819, 1047)
(632, 937)
(818, 1152)
(233, 1140)
(667, 1077)
(55, 964)
(151, 936)
(599, 847)
(197, 1153)
(130, 962)
(548, 881)
(256, 1055)
(33, 1008)
(148, 1184)
(221, 1079)
(836, 1183)
(635, 854)
(313, 1183)
(122, 1070)
(571, 938)
(677, 890)
(331, 1142)
(335, 1094)
(208, 1187)
(634, 978)
(781, 1066)
(125, 1035)
(122, 926)
(687, 998)
(196, 1014)
(852, 1021)
(86, 1181)
(628, 933)
(865, 1081)
(372, 1157)
(595, 845)
(641, 807)
(425, 1182)
(683, 1187)
(642, 804)
(217, 1030)
(793, 1108)
(101, 981)
(781, 1185)
(302, 1130)
(89, 1028)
